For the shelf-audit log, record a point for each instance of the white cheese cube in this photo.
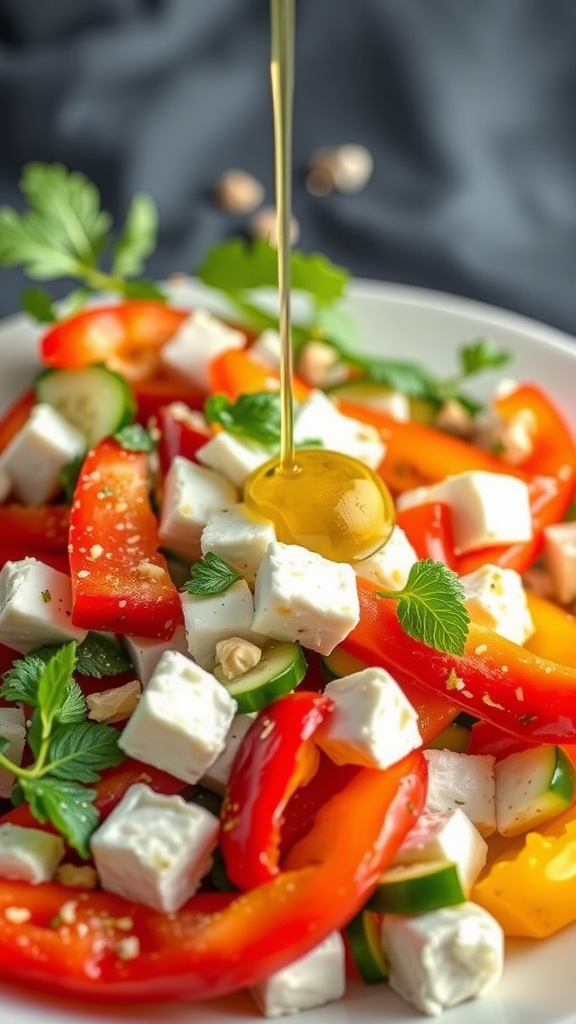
(450, 837)
(267, 348)
(145, 653)
(317, 978)
(36, 455)
(216, 778)
(181, 721)
(35, 606)
(13, 729)
(372, 724)
(29, 854)
(304, 597)
(487, 508)
(210, 619)
(319, 420)
(196, 343)
(444, 957)
(465, 781)
(496, 598)
(239, 539)
(389, 567)
(560, 560)
(191, 495)
(233, 458)
(154, 849)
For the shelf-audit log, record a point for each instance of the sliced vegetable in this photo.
(363, 935)
(279, 671)
(236, 372)
(96, 400)
(417, 888)
(532, 786)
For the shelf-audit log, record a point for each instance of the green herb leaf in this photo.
(82, 751)
(431, 607)
(34, 733)
(38, 304)
(482, 355)
(100, 655)
(54, 685)
(73, 707)
(67, 805)
(238, 266)
(135, 438)
(253, 417)
(211, 575)
(142, 290)
(21, 681)
(138, 238)
(68, 476)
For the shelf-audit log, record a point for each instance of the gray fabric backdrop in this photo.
(469, 107)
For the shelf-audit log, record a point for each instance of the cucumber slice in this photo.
(378, 396)
(339, 664)
(363, 934)
(453, 737)
(532, 786)
(281, 668)
(96, 400)
(417, 888)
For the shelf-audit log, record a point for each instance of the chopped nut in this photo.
(237, 656)
(77, 876)
(263, 225)
(455, 419)
(346, 168)
(239, 192)
(318, 363)
(114, 705)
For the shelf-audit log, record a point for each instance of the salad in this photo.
(233, 762)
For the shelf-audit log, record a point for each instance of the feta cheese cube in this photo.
(389, 567)
(239, 539)
(444, 957)
(210, 619)
(496, 598)
(35, 606)
(319, 420)
(450, 837)
(465, 781)
(317, 978)
(196, 343)
(560, 560)
(29, 854)
(267, 348)
(12, 729)
(233, 458)
(216, 778)
(154, 849)
(182, 719)
(191, 495)
(301, 596)
(36, 455)
(145, 653)
(487, 508)
(372, 724)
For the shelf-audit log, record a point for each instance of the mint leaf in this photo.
(431, 607)
(211, 575)
(73, 707)
(142, 290)
(482, 355)
(54, 685)
(253, 417)
(100, 655)
(135, 438)
(38, 304)
(67, 805)
(82, 751)
(21, 681)
(138, 238)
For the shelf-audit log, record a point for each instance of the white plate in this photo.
(539, 985)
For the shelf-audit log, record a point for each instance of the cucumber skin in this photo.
(362, 934)
(260, 695)
(420, 894)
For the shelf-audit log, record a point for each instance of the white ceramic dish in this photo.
(539, 985)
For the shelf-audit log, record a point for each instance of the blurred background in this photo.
(467, 107)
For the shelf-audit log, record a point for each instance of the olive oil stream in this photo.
(324, 500)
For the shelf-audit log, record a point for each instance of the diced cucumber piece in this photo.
(532, 786)
(453, 737)
(417, 888)
(339, 664)
(96, 400)
(281, 668)
(363, 934)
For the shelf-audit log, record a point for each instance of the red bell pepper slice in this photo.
(120, 581)
(180, 434)
(218, 943)
(154, 392)
(494, 679)
(42, 527)
(429, 530)
(126, 337)
(278, 754)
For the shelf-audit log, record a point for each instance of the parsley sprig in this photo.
(68, 750)
(211, 575)
(65, 233)
(431, 606)
(252, 417)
